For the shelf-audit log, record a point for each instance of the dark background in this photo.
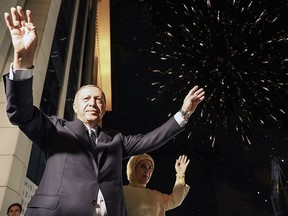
(237, 51)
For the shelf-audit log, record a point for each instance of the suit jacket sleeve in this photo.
(143, 143)
(21, 111)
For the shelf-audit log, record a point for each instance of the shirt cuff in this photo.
(180, 120)
(20, 74)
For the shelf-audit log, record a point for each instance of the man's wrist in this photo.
(180, 119)
(20, 74)
(184, 114)
(22, 62)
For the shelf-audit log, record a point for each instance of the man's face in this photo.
(144, 171)
(14, 211)
(89, 105)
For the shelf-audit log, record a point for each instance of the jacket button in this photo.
(93, 202)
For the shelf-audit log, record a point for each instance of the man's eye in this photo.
(99, 100)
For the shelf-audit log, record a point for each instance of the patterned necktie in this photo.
(93, 143)
(93, 137)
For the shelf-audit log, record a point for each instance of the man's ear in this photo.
(74, 108)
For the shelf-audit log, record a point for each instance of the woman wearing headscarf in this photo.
(141, 201)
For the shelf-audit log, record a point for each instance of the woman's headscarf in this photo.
(131, 167)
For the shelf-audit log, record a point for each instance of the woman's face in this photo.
(144, 170)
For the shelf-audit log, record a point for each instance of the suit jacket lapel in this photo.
(80, 131)
(102, 147)
(77, 127)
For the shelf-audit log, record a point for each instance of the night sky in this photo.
(238, 52)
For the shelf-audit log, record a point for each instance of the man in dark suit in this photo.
(83, 174)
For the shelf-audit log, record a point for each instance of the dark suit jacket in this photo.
(72, 177)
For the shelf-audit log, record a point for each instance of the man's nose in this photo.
(92, 102)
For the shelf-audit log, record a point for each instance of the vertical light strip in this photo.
(102, 56)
